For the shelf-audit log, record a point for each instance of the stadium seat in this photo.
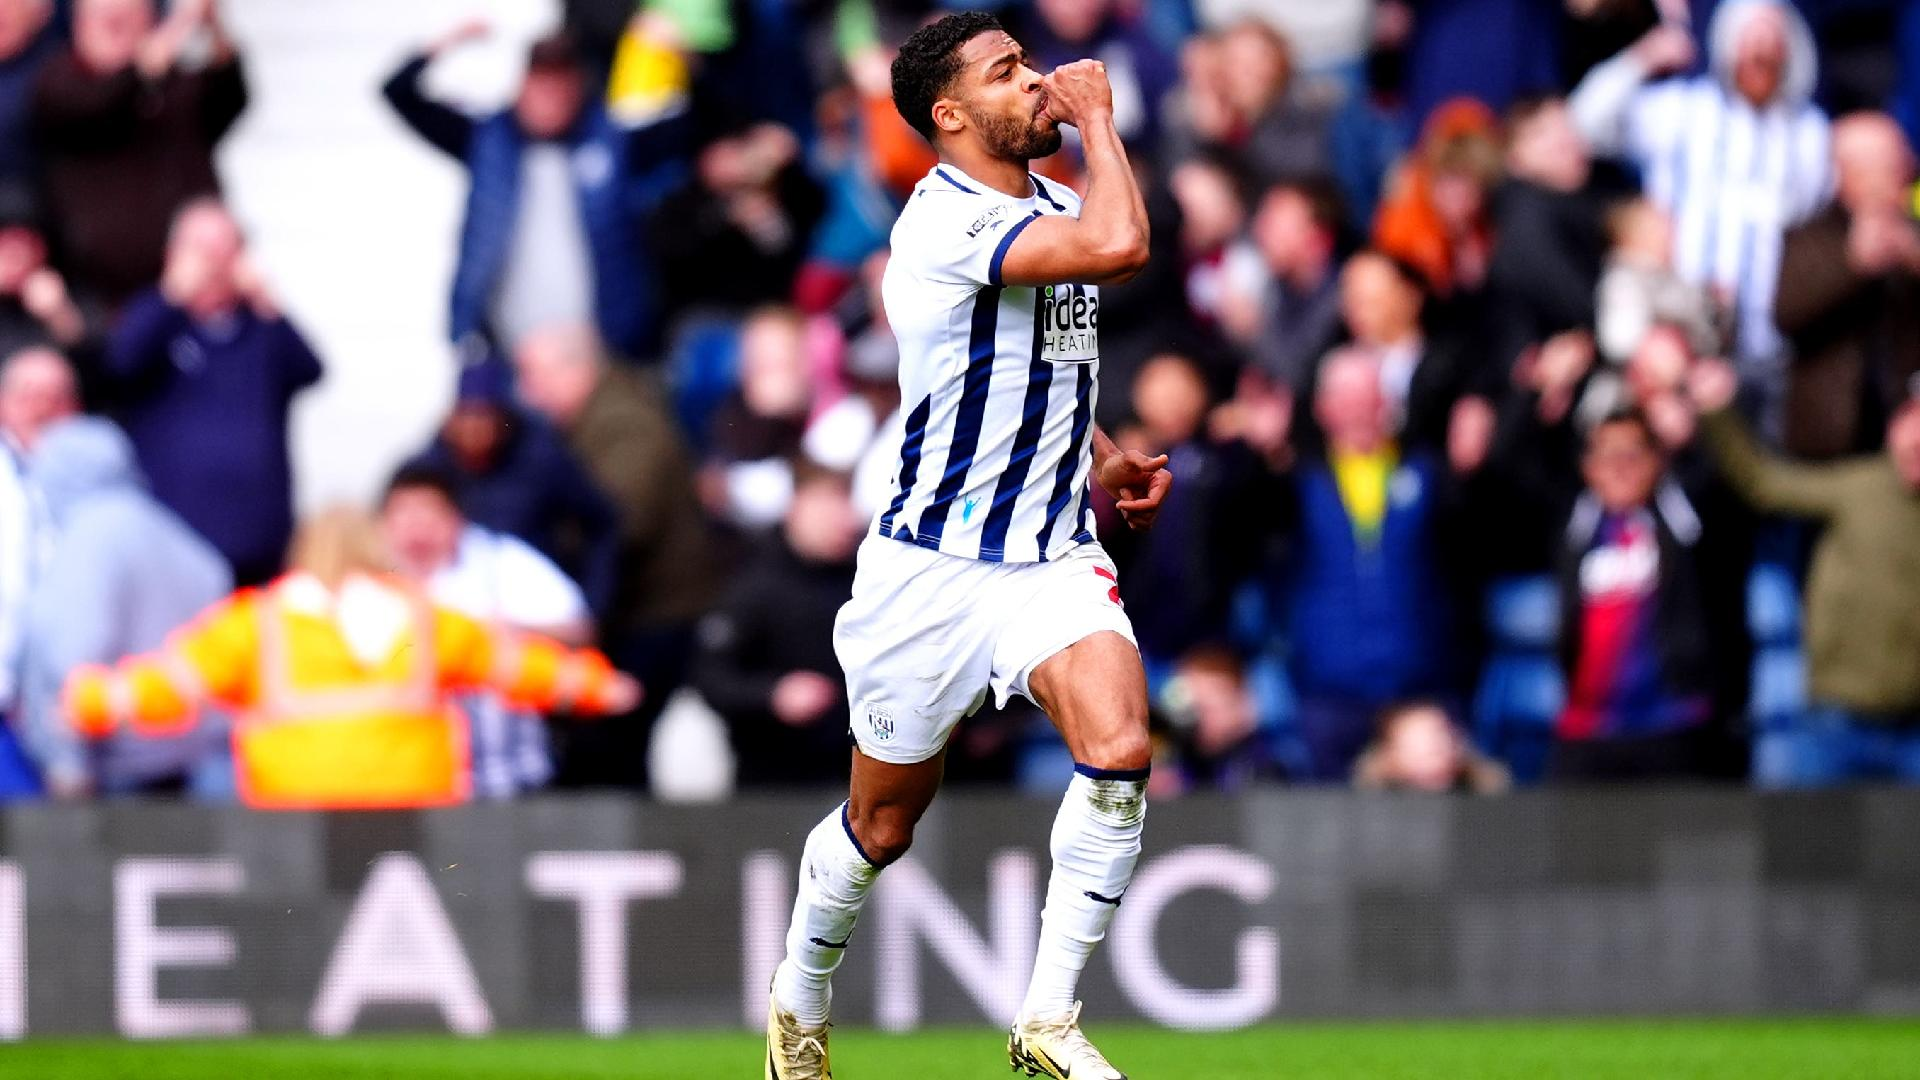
(702, 369)
(1779, 680)
(1521, 688)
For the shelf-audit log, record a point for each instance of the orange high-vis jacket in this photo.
(317, 728)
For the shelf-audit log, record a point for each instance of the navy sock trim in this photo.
(846, 822)
(1105, 774)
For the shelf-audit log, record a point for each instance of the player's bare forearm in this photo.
(1114, 213)
(1138, 483)
(1106, 244)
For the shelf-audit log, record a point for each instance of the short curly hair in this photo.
(929, 59)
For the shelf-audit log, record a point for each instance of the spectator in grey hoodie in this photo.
(123, 572)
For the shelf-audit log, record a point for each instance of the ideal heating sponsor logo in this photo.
(1069, 324)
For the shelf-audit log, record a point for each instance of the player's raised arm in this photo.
(1107, 243)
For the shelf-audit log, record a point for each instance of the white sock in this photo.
(1096, 841)
(835, 878)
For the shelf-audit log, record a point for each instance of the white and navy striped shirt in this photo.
(997, 381)
(1732, 176)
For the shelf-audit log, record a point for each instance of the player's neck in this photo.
(1000, 174)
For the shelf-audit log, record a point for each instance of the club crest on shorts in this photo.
(879, 721)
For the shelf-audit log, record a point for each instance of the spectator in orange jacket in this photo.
(1435, 213)
(342, 678)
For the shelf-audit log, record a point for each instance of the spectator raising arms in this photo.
(557, 190)
(340, 674)
(127, 129)
(1862, 596)
(1736, 155)
(1641, 635)
(208, 368)
(36, 307)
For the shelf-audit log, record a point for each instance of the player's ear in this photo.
(948, 116)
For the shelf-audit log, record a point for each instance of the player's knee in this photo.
(883, 835)
(1124, 750)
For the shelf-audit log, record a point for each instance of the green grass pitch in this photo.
(1822, 1049)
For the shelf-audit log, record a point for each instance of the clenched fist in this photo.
(1078, 92)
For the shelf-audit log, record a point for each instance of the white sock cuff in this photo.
(1115, 797)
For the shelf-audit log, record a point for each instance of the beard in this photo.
(1019, 140)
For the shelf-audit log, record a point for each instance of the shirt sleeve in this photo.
(962, 239)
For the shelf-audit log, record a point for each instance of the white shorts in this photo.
(927, 635)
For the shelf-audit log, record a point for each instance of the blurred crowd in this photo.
(1541, 380)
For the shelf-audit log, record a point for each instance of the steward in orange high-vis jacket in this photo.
(340, 678)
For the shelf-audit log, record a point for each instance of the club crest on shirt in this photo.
(1069, 324)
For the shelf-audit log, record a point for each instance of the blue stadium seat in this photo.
(703, 367)
(1773, 605)
(1779, 680)
(1521, 687)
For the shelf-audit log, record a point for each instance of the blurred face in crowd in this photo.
(773, 365)
(107, 33)
(1293, 243)
(22, 251)
(1210, 209)
(422, 529)
(1459, 197)
(1073, 21)
(1380, 306)
(1254, 66)
(1760, 56)
(1622, 465)
(206, 234)
(1000, 93)
(474, 431)
(1548, 150)
(557, 368)
(1421, 750)
(550, 101)
(1873, 166)
(1216, 696)
(20, 20)
(1350, 405)
(1903, 443)
(37, 390)
(1170, 398)
(822, 525)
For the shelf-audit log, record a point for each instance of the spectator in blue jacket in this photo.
(553, 229)
(1368, 616)
(121, 573)
(517, 477)
(207, 369)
